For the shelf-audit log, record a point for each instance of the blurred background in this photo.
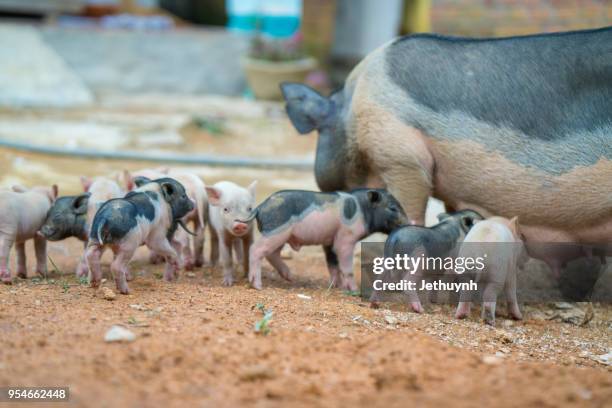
(162, 80)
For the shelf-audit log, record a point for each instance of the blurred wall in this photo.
(514, 17)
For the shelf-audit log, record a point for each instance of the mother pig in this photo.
(518, 126)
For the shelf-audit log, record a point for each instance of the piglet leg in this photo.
(214, 246)
(93, 255)
(277, 262)
(489, 300)
(331, 259)
(119, 268)
(163, 247)
(227, 263)
(198, 245)
(22, 270)
(6, 242)
(345, 255)
(40, 247)
(510, 290)
(246, 245)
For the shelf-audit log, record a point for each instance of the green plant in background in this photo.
(277, 50)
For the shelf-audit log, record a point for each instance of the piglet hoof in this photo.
(22, 275)
(124, 291)
(416, 307)
(94, 283)
(199, 263)
(516, 315)
(189, 266)
(228, 281)
(460, 315)
(374, 305)
(6, 280)
(129, 277)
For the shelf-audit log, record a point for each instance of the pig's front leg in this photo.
(246, 242)
(225, 253)
(162, 246)
(332, 266)
(22, 270)
(345, 249)
(6, 242)
(198, 245)
(93, 255)
(40, 247)
(214, 246)
(81, 269)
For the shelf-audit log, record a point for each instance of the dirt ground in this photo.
(196, 344)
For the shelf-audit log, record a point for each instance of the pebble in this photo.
(306, 297)
(108, 294)
(119, 334)
(190, 274)
(390, 319)
(491, 360)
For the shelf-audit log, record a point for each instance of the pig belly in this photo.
(571, 207)
(317, 228)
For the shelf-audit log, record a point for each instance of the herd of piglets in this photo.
(157, 208)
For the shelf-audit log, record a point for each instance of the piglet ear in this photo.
(128, 180)
(214, 195)
(54, 192)
(252, 188)
(443, 216)
(374, 196)
(167, 189)
(18, 188)
(80, 203)
(141, 181)
(86, 183)
(306, 108)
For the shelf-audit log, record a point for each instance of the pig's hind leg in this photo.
(331, 258)
(489, 301)
(510, 291)
(345, 253)
(277, 262)
(119, 267)
(93, 255)
(262, 248)
(6, 242)
(22, 271)
(198, 244)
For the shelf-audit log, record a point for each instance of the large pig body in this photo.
(22, 213)
(517, 126)
(502, 237)
(335, 220)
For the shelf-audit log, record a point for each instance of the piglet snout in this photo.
(240, 228)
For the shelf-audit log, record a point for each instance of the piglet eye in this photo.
(226, 210)
(249, 209)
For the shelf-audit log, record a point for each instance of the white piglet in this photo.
(228, 205)
(22, 213)
(499, 238)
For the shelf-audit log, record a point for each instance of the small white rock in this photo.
(491, 360)
(390, 319)
(301, 296)
(119, 334)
